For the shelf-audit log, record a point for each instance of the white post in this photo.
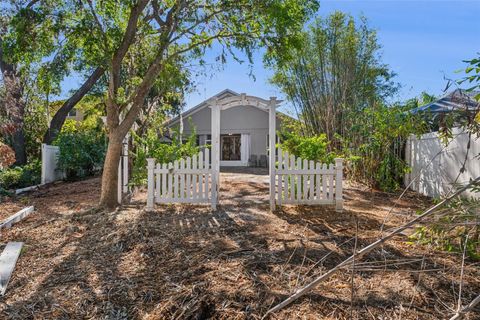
(339, 185)
(272, 121)
(125, 165)
(215, 153)
(44, 164)
(119, 180)
(150, 183)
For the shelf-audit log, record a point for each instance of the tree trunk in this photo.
(109, 196)
(18, 139)
(14, 106)
(61, 115)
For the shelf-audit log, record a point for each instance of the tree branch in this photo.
(127, 41)
(367, 249)
(59, 118)
(116, 63)
(99, 24)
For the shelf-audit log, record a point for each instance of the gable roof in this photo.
(227, 93)
(221, 95)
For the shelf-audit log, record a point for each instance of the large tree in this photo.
(154, 33)
(42, 42)
(26, 36)
(334, 75)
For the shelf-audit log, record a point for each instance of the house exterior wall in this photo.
(76, 115)
(241, 119)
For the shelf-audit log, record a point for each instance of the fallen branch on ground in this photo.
(471, 305)
(366, 250)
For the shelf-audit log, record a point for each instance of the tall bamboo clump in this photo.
(338, 86)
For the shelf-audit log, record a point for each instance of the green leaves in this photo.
(338, 85)
(81, 152)
(151, 146)
(309, 148)
(20, 177)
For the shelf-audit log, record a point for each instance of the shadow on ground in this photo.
(186, 262)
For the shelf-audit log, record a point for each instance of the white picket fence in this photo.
(299, 181)
(189, 180)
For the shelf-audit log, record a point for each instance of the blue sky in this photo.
(423, 42)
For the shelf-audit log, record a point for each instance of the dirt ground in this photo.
(186, 262)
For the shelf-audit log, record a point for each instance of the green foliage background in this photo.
(151, 145)
(83, 143)
(339, 88)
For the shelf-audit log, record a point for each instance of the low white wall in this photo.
(50, 171)
(435, 179)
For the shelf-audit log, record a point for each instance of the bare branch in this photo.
(367, 249)
(471, 305)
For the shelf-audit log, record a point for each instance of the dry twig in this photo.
(366, 250)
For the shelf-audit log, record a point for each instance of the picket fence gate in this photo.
(189, 180)
(299, 181)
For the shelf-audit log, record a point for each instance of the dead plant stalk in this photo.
(367, 249)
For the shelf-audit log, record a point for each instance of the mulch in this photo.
(186, 262)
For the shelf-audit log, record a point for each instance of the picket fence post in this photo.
(339, 185)
(215, 167)
(151, 183)
(119, 180)
(125, 165)
(272, 121)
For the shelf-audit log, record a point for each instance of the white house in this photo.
(243, 128)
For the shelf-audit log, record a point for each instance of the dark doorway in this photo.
(230, 146)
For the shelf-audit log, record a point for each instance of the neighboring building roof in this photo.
(221, 95)
(456, 100)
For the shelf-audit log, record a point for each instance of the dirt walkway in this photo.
(186, 262)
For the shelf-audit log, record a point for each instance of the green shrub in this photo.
(375, 142)
(310, 148)
(82, 153)
(21, 177)
(151, 146)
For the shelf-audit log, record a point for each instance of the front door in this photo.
(230, 146)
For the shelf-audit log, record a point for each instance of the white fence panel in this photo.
(299, 181)
(50, 171)
(186, 181)
(435, 177)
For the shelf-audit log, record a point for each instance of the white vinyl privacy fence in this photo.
(50, 171)
(299, 181)
(189, 180)
(435, 177)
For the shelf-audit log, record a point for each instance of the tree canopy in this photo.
(334, 74)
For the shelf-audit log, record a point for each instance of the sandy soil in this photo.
(186, 262)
